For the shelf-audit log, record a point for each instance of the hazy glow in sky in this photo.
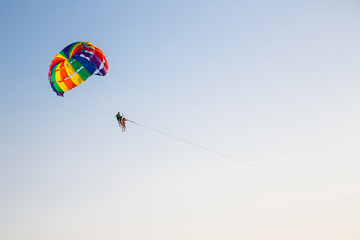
(274, 83)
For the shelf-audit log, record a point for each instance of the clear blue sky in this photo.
(274, 83)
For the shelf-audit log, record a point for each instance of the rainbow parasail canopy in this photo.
(74, 64)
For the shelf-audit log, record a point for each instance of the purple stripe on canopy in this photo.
(102, 71)
(94, 59)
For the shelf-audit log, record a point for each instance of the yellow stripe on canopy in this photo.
(59, 56)
(70, 71)
(60, 81)
(63, 86)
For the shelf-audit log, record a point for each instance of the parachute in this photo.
(74, 64)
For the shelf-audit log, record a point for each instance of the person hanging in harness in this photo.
(123, 124)
(121, 121)
(118, 118)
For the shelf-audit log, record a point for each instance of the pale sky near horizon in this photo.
(273, 83)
